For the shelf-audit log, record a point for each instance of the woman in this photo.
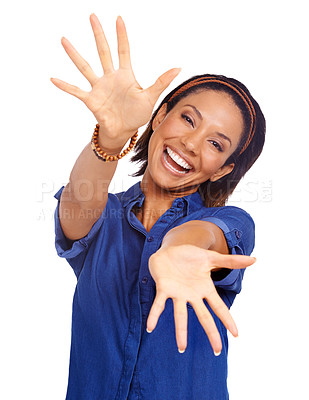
(160, 264)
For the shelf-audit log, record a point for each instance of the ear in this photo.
(225, 170)
(159, 117)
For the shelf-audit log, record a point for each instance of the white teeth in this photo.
(171, 167)
(175, 157)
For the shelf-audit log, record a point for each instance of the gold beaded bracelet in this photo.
(101, 154)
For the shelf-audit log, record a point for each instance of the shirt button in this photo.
(237, 234)
(150, 239)
(179, 204)
(145, 280)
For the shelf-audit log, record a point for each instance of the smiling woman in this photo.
(231, 104)
(194, 139)
(166, 257)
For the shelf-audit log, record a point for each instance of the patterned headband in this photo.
(236, 89)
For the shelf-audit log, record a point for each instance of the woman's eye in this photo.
(216, 145)
(187, 118)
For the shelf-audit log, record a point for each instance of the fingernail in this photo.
(147, 330)
(217, 354)
(181, 351)
(235, 332)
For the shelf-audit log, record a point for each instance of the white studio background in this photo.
(265, 45)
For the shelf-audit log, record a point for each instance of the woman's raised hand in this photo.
(117, 101)
(182, 273)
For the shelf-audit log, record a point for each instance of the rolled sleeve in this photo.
(239, 231)
(73, 251)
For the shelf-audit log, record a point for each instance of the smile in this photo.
(175, 163)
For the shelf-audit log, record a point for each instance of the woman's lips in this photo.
(173, 166)
(177, 159)
(180, 154)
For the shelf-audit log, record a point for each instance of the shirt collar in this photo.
(134, 194)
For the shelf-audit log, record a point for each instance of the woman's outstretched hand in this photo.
(182, 273)
(118, 102)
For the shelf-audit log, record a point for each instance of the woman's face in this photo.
(191, 143)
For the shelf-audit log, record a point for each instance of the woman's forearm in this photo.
(202, 234)
(85, 196)
(90, 178)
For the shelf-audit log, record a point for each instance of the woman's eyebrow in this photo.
(195, 109)
(222, 135)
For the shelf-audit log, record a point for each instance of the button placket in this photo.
(144, 274)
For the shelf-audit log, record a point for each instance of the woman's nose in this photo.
(191, 143)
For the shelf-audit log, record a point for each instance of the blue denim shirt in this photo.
(112, 355)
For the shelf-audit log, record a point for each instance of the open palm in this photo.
(183, 273)
(118, 102)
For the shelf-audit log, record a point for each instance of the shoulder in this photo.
(237, 225)
(233, 213)
(229, 214)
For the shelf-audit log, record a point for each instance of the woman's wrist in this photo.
(106, 153)
(109, 145)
